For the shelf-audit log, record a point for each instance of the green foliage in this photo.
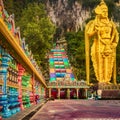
(38, 30)
(117, 14)
(16, 7)
(113, 10)
(111, 7)
(9, 6)
(57, 34)
(76, 53)
(90, 3)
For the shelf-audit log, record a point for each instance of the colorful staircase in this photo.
(60, 68)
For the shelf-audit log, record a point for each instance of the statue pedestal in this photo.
(108, 91)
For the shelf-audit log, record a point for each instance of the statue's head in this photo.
(102, 9)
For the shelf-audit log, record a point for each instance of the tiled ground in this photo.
(79, 110)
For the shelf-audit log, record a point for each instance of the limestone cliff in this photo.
(67, 16)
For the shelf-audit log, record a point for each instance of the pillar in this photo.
(3, 72)
(46, 93)
(86, 95)
(20, 73)
(41, 90)
(114, 70)
(87, 52)
(77, 90)
(58, 93)
(33, 89)
(68, 93)
(49, 92)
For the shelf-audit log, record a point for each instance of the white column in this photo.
(77, 90)
(68, 93)
(86, 95)
(49, 92)
(58, 93)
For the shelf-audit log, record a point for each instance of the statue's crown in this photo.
(102, 3)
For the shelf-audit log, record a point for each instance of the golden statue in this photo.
(103, 50)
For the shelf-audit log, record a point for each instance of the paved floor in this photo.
(79, 110)
(27, 112)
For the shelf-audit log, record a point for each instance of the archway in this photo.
(81, 93)
(73, 93)
(63, 93)
(54, 93)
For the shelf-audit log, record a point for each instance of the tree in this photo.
(38, 30)
(76, 53)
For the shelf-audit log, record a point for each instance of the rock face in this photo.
(68, 15)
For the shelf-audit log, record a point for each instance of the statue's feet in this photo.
(105, 83)
(109, 83)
